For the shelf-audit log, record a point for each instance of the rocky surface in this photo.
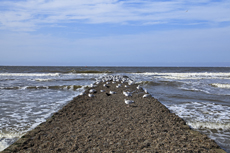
(104, 123)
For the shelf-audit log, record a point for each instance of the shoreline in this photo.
(105, 123)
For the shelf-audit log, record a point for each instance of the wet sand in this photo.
(104, 123)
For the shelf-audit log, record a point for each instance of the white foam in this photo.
(3, 144)
(183, 76)
(209, 125)
(23, 110)
(200, 115)
(65, 87)
(28, 115)
(29, 74)
(8, 138)
(23, 88)
(219, 85)
(194, 89)
(10, 135)
(43, 80)
(83, 75)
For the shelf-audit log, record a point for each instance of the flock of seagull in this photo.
(116, 79)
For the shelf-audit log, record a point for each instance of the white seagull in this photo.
(146, 95)
(138, 87)
(91, 95)
(118, 86)
(91, 85)
(82, 93)
(128, 102)
(98, 82)
(112, 92)
(130, 82)
(92, 91)
(127, 94)
(105, 85)
(102, 90)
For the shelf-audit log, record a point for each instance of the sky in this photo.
(115, 33)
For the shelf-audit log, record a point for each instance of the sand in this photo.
(104, 123)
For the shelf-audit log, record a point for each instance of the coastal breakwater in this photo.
(100, 121)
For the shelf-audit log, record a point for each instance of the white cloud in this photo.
(29, 14)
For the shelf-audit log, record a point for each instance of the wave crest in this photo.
(89, 71)
(219, 85)
(63, 87)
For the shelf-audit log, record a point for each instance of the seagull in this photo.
(128, 102)
(91, 95)
(112, 92)
(98, 82)
(82, 93)
(91, 85)
(105, 85)
(127, 94)
(126, 86)
(92, 91)
(138, 87)
(131, 82)
(146, 95)
(102, 90)
(146, 91)
(118, 86)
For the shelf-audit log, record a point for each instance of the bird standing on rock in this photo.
(138, 87)
(112, 92)
(91, 85)
(105, 85)
(91, 95)
(128, 102)
(118, 86)
(92, 91)
(127, 94)
(146, 95)
(82, 93)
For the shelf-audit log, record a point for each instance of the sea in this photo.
(30, 95)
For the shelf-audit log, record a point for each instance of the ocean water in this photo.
(30, 95)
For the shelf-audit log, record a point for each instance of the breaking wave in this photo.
(89, 71)
(29, 74)
(201, 115)
(182, 76)
(63, 87)
(219, 85)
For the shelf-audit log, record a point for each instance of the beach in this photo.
(105, 123)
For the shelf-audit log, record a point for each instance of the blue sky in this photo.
(115, 33)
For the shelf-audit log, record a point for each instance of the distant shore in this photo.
(106, 123)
